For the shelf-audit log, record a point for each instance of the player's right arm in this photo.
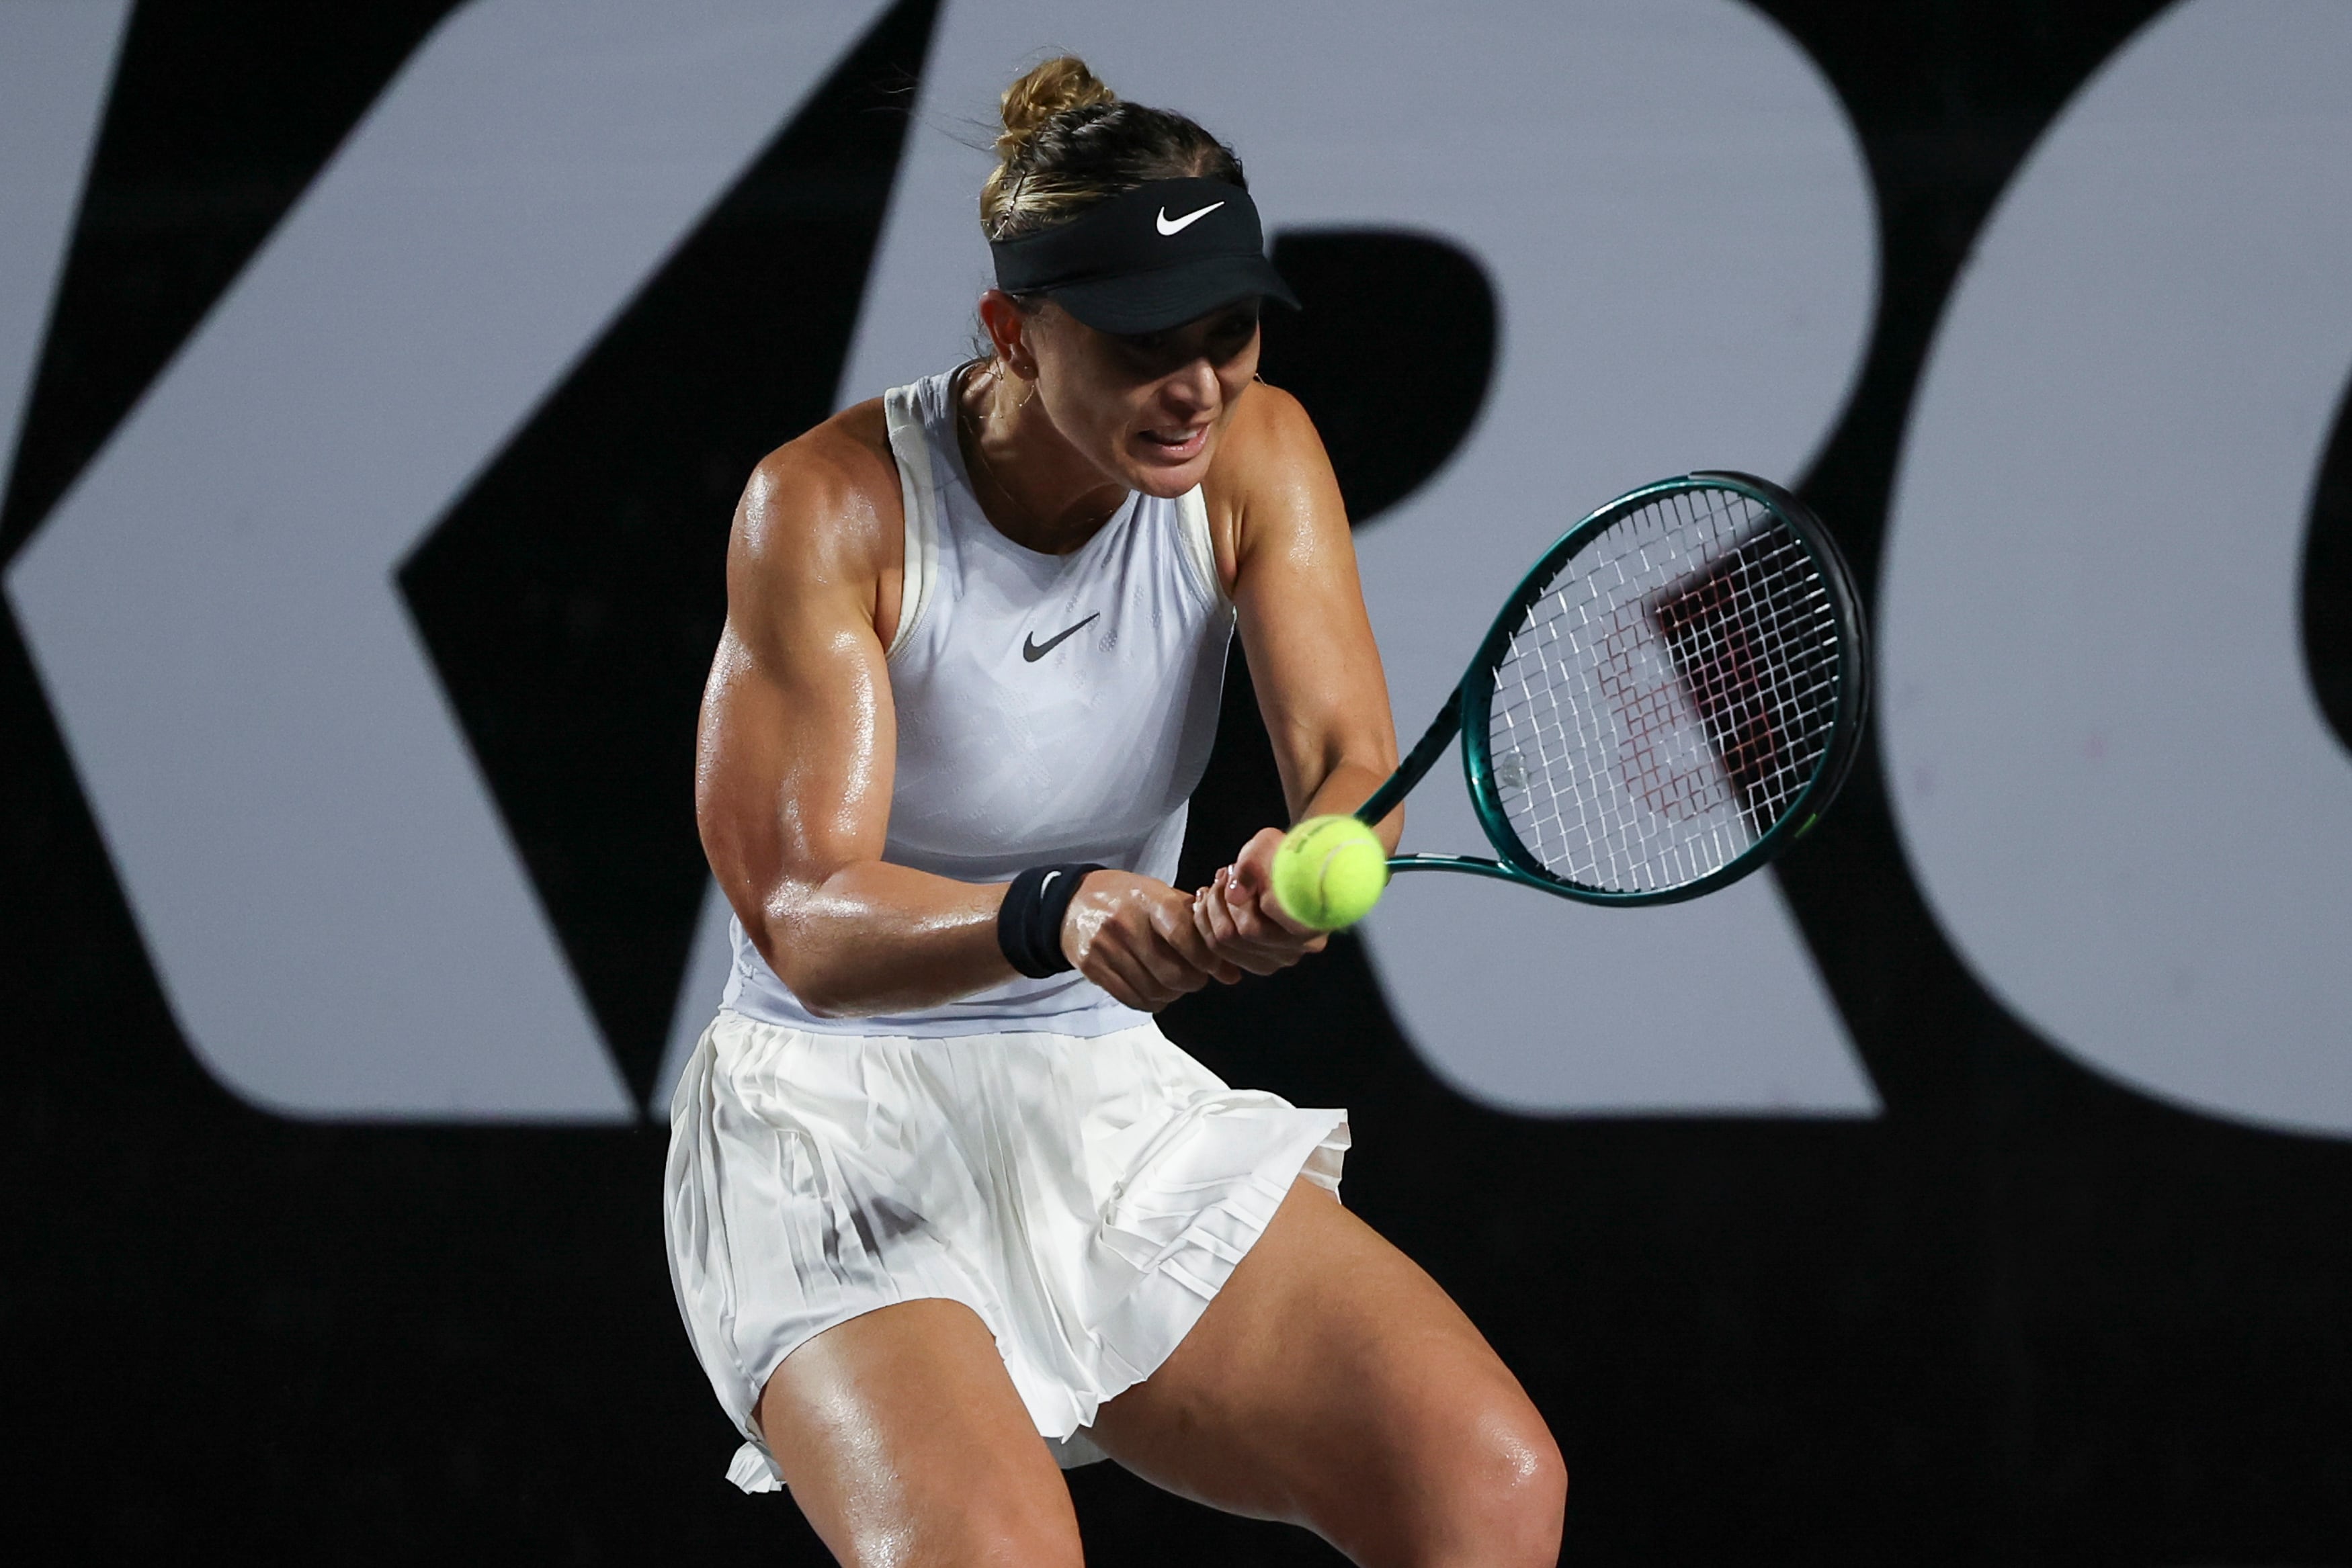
(798, 749)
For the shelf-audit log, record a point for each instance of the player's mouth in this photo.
(1175, 443)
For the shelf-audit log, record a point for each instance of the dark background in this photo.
(2023, 1317)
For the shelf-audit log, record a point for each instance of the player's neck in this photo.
(1033, 488)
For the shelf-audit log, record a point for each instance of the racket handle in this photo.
(1417, 763)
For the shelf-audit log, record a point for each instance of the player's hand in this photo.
(1137, 940)
(1241, 921)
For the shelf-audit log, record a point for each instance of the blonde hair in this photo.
(1070, 141)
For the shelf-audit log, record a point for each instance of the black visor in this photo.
(1147, 259)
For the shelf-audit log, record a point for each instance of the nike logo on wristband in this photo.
(1033, 650)
(1178, 225)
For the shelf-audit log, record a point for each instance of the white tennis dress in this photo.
(1036, 1151)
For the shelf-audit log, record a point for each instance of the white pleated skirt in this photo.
(1086, 1199)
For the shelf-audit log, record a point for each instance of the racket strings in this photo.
(1737, 641)
(1668, 697)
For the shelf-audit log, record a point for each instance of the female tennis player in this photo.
(944, 1207)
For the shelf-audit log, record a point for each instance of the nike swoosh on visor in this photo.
(1178, 225)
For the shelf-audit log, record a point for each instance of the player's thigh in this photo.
(1333, 1384)
(903, 1441)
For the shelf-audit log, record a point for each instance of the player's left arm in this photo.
(1287, 560)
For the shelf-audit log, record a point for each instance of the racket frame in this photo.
(1466, 712)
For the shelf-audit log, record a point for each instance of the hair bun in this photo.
(1070, 141)
(1060, 84)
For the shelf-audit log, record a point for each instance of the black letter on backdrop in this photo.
(1393, 354)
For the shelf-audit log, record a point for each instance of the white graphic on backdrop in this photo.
(56, 59)
(1679, 227)
(330, 898)
(2111, 776)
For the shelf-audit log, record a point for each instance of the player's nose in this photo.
(1191, 389)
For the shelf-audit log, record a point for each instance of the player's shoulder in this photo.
(1270, 460)
(827, 498)
(1268, 426)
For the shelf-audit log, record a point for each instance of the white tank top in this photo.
(1050, 707)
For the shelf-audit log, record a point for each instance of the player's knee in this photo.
(1506, 1489)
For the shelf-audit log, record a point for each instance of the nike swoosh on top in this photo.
(1033, 650)
(1177, 226)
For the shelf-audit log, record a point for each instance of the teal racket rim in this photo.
(1469, 712)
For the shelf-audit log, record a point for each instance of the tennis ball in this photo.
(1329, 872)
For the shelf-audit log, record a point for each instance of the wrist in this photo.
(1029, 920)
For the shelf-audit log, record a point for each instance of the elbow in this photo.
(820, 993)
(820, 950)
(780, 957)
(819, 1001)
(831, 998)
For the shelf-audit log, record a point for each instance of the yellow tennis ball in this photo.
(1329, 872)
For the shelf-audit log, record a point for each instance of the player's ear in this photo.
(1007, 324)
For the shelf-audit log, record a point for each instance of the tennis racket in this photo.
(1670, 698)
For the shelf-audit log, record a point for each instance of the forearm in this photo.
(878, 938)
